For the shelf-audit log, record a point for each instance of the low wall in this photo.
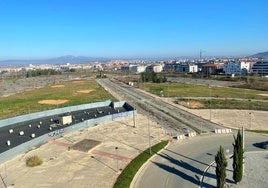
(7, 155)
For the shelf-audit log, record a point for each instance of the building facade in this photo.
(260, 68)
(236, 68)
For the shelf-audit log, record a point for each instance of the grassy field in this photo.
(222, 97)
(192, 90)
(223, 104)
(74, 92)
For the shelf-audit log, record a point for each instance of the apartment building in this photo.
(236, 68)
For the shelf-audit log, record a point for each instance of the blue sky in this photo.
(132, 29)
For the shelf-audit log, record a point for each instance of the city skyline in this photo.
(138, 29)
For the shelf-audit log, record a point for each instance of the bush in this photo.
(34, 161)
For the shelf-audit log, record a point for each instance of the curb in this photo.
(134, 180)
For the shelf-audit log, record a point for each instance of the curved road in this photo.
(182, 163)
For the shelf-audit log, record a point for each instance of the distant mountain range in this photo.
(83, 59)
(261, 55)
(57, 60)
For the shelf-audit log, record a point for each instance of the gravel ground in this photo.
(9, 87)
(255, 174)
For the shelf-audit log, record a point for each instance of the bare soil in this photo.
(53, 102)
(57, 86)
(191, 104)
(86, 91)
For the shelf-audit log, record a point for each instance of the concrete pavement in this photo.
(98, 167)
(255, 174)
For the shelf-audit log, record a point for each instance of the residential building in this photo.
(260, 68)
(137, 68)
(211, 68)
(236, 68)
(154, 68)
(186, 68)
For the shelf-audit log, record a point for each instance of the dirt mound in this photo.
(54, 102)
(78, 81)
(58, 86)
(191, 104)
(85, 91)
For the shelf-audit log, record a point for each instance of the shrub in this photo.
(34, 161)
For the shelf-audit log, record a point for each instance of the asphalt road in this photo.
(173, 119)
(182, 164)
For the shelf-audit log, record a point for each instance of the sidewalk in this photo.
(99, 167)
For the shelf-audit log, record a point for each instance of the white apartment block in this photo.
(137, 68)
(236, 68)
(158, 68)
(193, 68)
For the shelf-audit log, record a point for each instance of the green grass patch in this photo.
(27, 102)
(228, 104)
(34, 161)
(132, 168)
(258, 131)
(193, 90)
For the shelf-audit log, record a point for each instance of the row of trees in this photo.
(238, 159)
(34, 73)
(153, 77)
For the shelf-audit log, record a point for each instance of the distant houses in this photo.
(232, 67)
(203, 68)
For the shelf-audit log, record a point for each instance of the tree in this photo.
(221, 164)
(238, 158)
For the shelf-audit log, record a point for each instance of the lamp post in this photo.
(134, 115)
(149, 135)
(116, 149)
(209, 102)
(250, 120)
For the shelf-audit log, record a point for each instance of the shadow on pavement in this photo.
(184, 165)
(187, 157)
(179, 173)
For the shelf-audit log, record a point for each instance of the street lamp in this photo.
(250, 120)
(116, 149)
(149, 135)
(209, 102)
(134, 115)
